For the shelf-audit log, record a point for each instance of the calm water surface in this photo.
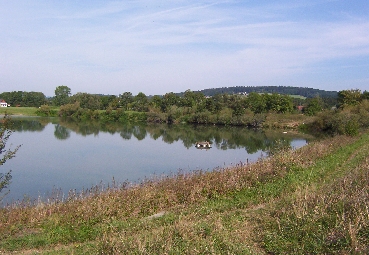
(64, 155)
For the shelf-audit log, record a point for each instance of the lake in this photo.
(65, 155)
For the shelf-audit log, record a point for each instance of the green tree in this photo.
(256, 102)
(313, 106)
(22, 98)
(140, 103)
(86, 101)
(190, 99)
(33, 99)
(113, 103)
(279, 103)
(62, 94)
(126, 100)
(210, 105)
(109, 101)
(238, 107)
(349, 98)
(365, 95)
(169, 100)
(156, 103)
(219, 102)
(6, 154)
(286, 104)
(13, 98)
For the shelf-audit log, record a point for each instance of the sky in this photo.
(156, 47)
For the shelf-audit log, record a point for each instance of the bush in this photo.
(124, 116)
(201, 117)
(363, 113)
(68, 110)
(154, 117)
(337, 123)
(86, 114)
(225, 117)
(46, 111)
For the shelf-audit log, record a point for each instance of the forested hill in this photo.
(306, 92)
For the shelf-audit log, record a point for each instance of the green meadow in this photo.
(26, 111)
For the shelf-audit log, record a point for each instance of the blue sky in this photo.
(155, 47)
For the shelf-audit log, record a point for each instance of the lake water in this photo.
(57, 154)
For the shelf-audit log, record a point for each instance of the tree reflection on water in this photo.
(221, 137)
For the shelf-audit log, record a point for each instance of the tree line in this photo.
(284, 90)
(190, 106)
(195, 107)
(63, 93)
(24, 99)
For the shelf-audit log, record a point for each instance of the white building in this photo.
(3, 103)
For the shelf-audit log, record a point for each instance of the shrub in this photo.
(46, 111)
(68, 110)
(225, 116)
(342, 122)
(86, 114)
(154, 117)
(201, 117)
(363, 113)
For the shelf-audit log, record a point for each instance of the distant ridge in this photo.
(305, 92)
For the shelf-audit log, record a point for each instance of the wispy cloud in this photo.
(116, 46)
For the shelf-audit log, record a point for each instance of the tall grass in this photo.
(327, 217)
(276, 205)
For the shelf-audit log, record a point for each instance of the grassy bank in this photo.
(310, 201)
(25, 111)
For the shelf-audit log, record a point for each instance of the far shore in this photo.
(290, 121)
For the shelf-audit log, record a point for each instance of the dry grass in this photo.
(327, 217)
(286, 121)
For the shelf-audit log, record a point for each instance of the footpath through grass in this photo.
(310, 201)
